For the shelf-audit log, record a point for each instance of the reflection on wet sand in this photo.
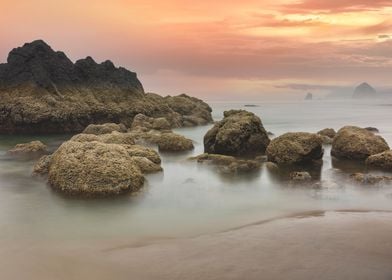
(345, 244)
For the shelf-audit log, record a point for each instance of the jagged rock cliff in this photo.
(42, 91)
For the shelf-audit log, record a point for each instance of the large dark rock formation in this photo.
(364, 90)
(42, 91)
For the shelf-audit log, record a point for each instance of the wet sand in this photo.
(314, 245)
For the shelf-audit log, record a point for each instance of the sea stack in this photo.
(43, 91)
(309, 96)
(364, 91)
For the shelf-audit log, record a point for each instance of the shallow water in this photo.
(189, 199)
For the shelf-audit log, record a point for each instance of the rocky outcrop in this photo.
(104, 128)
(240, 133)
(295, 148)
(364, 91)
(42, 91)
(109, 138)
(33, 149)
(355, 143)
(228, 164)
(380, 161)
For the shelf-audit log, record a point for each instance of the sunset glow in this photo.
(210, 49)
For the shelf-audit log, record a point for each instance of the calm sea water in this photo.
(188, 199)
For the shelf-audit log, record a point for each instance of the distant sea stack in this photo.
(364, 91)
(309, 96)
(42, 91)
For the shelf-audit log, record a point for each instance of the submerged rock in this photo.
(356, 143)
(240, 133)
(104, 128)
(380, 161)
(228, 164)
(300, 176)
(370, 179)
(42, 91)
(33, 149)
(295, 148)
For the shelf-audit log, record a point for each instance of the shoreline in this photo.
(344, 244)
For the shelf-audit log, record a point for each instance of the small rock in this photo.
(33, 149)
(300, 176)
(370, 179)
(372, 129)
(329, 132)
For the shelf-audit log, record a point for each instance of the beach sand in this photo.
(314, 245)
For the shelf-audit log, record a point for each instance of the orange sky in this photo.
(224, 49)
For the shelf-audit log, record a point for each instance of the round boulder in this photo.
(295, 148)
(240, 133)
(355, 143)
(94, 169)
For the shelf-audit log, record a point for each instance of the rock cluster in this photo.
(240, 133)
(355, 143)
(42, 91)
(228, 164)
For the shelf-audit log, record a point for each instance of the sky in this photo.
(218, 50)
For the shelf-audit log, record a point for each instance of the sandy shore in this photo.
(333, 245)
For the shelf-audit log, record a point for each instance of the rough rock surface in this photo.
(41, 168)
(104, 128)
(372, 129)
(380, 161)
(240, 133)
(109, 138)
(98, 165)
(295, 148)
(33, 149)
(228, 164)
(355, 143)
(93, 169)
(42, 91)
